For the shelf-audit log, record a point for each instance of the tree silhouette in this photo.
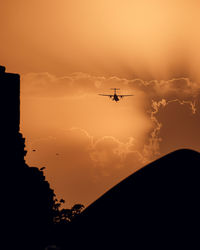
(64, 216)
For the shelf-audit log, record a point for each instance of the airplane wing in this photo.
(106, 95)
(121, 96)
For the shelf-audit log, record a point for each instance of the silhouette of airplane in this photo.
(115, 97)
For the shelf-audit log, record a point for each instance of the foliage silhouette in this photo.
(64, 216)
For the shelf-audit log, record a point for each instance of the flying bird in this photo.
(115, 97)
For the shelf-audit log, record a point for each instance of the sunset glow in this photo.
(68, 52)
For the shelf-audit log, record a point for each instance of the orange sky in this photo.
(69, 51)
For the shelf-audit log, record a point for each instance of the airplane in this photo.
(115, 97)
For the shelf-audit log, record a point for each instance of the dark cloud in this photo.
(180, 127)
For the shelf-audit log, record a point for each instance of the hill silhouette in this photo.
(156, 207)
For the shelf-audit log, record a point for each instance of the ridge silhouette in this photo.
(154, 208)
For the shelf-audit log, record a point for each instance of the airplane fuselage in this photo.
(115, 98)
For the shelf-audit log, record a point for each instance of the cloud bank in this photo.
(83, 156)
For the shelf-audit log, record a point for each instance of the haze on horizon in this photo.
(69, 51)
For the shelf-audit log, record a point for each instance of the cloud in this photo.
(76, 84)
(179, 126)
(162, 116)
(79, 84)
(111, 156)
(173, 89)
(80, 168)
(159, 95)
(170, 116)
(50, 86)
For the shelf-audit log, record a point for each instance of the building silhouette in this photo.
(27, 197)
(12, 140)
